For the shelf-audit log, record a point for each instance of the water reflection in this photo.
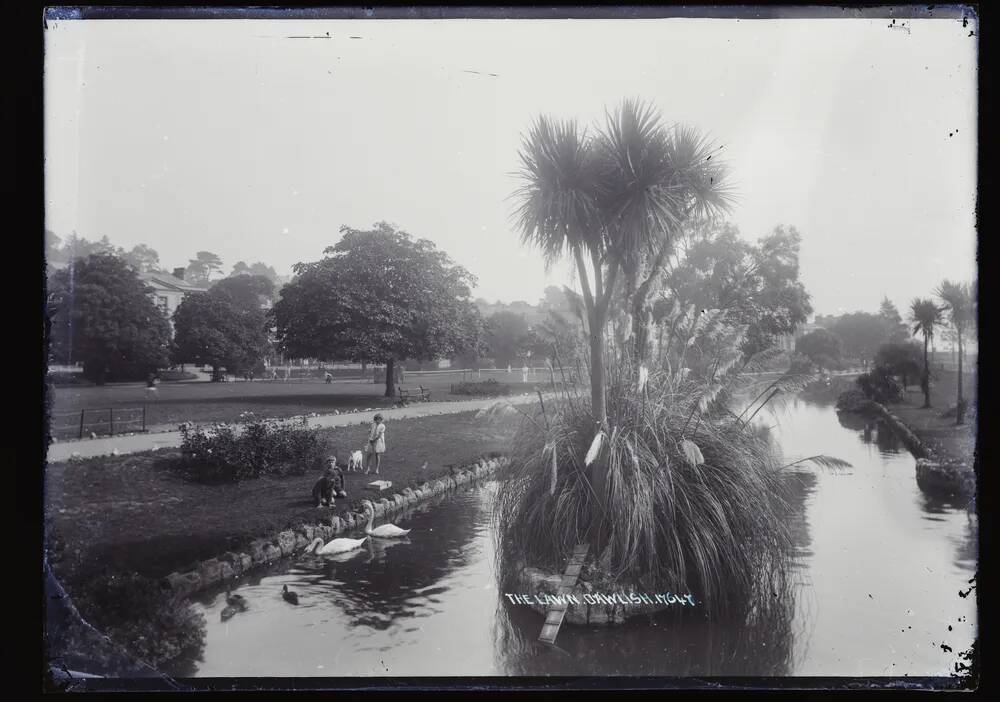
(877, 565)
(872, 431)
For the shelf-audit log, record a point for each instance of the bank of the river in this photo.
(135, 513)
(940, 435)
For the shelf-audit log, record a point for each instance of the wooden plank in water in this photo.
(556, 612)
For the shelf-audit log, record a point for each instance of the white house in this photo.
(169, 290)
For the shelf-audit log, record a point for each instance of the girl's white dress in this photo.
(378, 436)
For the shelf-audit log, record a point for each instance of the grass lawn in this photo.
(938, 432)
(205, 402)
(135, 513)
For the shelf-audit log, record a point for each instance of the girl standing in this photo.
(376, 444)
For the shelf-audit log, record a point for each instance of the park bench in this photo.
(406, 394)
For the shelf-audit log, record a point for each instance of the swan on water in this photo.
(386, 531)
(335, 546)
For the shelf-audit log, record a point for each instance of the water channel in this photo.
(878, 571)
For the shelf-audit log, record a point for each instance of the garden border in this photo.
(265, 551)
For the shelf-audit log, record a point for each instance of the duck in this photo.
(289, 596)
(237, 601)
(386, 531)
(335, 546)
(229, 612)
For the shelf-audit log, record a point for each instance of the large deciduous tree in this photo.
(755, 285)
(902, 358)
(378, 296)
(507, 337)
(822, 347)
(101, 315)
(224, 327)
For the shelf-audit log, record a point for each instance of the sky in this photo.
(233, 137)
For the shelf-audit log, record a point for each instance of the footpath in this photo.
(153, 441)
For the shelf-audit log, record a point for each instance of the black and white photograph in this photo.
(396, 345)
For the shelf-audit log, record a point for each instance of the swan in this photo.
(289, 595)
(335, 546)
(386, 531)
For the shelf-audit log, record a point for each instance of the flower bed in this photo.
(249, 449)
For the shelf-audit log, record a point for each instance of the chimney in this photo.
(179, 273)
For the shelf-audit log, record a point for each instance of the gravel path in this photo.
(134, 443)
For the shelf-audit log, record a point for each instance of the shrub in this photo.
(135, 612)
(250, 449)
(880, 386)
(490, 388)
(173, 375)
(851, 400)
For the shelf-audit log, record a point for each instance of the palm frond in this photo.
(822, 461)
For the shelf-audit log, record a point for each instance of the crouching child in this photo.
(330, 486)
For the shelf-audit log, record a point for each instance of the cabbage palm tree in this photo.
(926, 317)
(958, 301)
(611, 199)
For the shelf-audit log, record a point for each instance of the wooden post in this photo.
(111, 420)
(144, 419)
(81, 422)
(554, 615)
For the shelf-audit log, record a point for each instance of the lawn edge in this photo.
(266, 551)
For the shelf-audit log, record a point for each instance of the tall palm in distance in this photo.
(926, 318)
(959, 304)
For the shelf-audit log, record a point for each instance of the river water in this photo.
(878, 571)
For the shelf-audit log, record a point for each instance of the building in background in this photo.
(168, 290)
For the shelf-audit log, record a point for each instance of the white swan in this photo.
(335, 546)
(386, 531)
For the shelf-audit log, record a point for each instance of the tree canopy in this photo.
(224, 327)
(200, 268)
(380, 296)
(756, 285)
(507, 337)
(822, 347)
(901, 358)
(101, 315)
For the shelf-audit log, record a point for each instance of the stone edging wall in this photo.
(259, 552)
(951, 475)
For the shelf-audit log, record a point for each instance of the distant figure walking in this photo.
(151, 385)
(524, 374)
(376, 444)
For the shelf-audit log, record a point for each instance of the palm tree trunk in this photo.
(925, 384)
(960, 408)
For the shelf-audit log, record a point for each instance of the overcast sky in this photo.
(231, 137)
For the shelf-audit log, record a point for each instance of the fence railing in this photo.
(101, 422)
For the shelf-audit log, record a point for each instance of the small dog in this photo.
(355, 462)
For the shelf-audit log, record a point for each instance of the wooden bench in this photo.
(405, 394)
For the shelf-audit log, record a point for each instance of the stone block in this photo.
(210, 572)
(271, 553)
(257, 549)
(286, 542)
(183, 584)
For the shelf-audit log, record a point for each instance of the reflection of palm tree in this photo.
(926, 317)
